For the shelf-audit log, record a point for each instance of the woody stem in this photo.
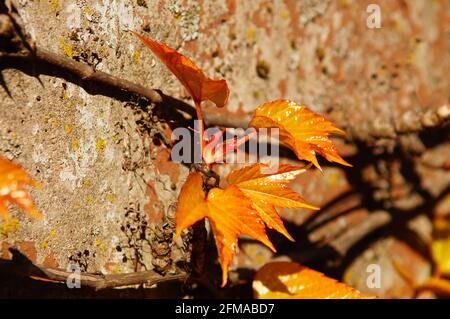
(201, 126)
(199, 229)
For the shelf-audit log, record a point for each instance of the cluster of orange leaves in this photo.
(248, 204)
(13, 180)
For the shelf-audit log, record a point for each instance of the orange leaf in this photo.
(199, 86)
(288, 280)
(190, 205)
(229, 212)
(302, 130)
(267, 189)
(12, 181)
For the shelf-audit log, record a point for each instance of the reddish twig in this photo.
(96, 281)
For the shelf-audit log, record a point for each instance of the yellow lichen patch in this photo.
(76, 145)
(72, 102)
(117, 269)
(98, 243)
(54, 123)
(250, 33)
(111, 197)
(54, 4)
(88, 11)
(52, 233)
(90, 200)
(136, 56)
(86, 183)
(8, 226)
(67, 48)
(115, 139)
(43, 244)
(284, 14)
(67, 128)
(100, 144)
(65, 96)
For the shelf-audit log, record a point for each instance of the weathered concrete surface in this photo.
(102, 173)
(107, 186)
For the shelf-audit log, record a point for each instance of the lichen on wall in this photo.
(95, 164)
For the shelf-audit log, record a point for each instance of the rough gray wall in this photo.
(107, 186)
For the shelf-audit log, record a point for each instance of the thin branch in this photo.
(11, 30)
(96, 281)
(82, 71)
(225, 120)
(199, 234)
(11, 25)
(87, 73)
(99, 282)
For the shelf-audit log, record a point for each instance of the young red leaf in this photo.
(229, 212)
(199, 86)
(302, 130)
(216, 149)
(288, 280)
(266, 189)
(12, 181)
